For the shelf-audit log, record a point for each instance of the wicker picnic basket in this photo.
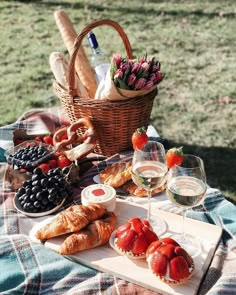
(114, 121)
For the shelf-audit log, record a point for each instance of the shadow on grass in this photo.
(138, 10)
(220, 166)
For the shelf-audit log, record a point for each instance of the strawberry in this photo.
(168, 250)
(168, 240)
(139, 138)
(44, 167)
(153, 247)
(140, 244)
(57, 154)
(122, 228)
(126, 239)
(52, 163)
(38, 139)
(159, 263)
(178, 268)
(150, 235)
(136, 224)
(174, 156)
(62, 161)
(48, 139)
(179, 251)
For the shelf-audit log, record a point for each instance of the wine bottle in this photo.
(100, 60)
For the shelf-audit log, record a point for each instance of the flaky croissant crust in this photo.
(70, 220)
(95, 234)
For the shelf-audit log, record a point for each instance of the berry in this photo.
(52, 163)
(44, 167)
(139, 138)
(62, 161)
(48, 139)
(174, 156)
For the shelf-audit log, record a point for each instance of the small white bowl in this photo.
(102, 194)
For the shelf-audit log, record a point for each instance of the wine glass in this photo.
(149, 171)
(186, 187)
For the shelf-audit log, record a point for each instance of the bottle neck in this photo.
(93, 41)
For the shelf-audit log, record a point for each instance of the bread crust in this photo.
(116, 174)
(132, 189)
(95, 234)
(70, 220)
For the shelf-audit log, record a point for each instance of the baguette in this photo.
(82, 65)
(95, 234)
(60, 66)
(70, 220)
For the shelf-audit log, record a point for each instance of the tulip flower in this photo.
(117, 58)
(152, 77)
(159, 76)
(118, 74)
(124, 66)
(135, 74)
(131, 80)
(140, 83)
(148, 85)
(145, 66)
(136, 68)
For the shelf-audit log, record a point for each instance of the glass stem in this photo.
(183, 223)
(149, 193)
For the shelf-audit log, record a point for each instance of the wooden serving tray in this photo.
(106, 259)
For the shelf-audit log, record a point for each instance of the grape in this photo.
(39, 196)
(44, 182)
(33, 198)
(43, 191)
(36, 189)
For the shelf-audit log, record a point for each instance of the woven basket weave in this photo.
(114, 121)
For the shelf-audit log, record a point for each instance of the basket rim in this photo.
(84, 100)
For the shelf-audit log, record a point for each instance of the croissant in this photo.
(95, 234)
(70, 220)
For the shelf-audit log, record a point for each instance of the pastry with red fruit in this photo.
(169, 261)
(133, 238)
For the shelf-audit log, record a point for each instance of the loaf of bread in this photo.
(82, 66)
(60, 68)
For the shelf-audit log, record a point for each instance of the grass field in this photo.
(194, 40)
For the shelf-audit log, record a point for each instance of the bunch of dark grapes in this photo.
(43, 191)
(26, 156)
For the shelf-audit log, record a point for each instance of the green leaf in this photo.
(122, 84)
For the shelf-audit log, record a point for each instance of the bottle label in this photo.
(101, 71)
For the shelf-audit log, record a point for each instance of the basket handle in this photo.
(78, 42)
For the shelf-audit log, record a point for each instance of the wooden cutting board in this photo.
(106, 259)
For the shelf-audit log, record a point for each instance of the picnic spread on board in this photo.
(73, 218)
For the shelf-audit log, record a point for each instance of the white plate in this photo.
(19, 208)
(112, 244)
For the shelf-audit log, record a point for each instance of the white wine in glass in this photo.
(186, 187)
(149, 172)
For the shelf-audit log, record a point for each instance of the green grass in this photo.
(194, 40)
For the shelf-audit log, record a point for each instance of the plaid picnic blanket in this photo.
(30, 268)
